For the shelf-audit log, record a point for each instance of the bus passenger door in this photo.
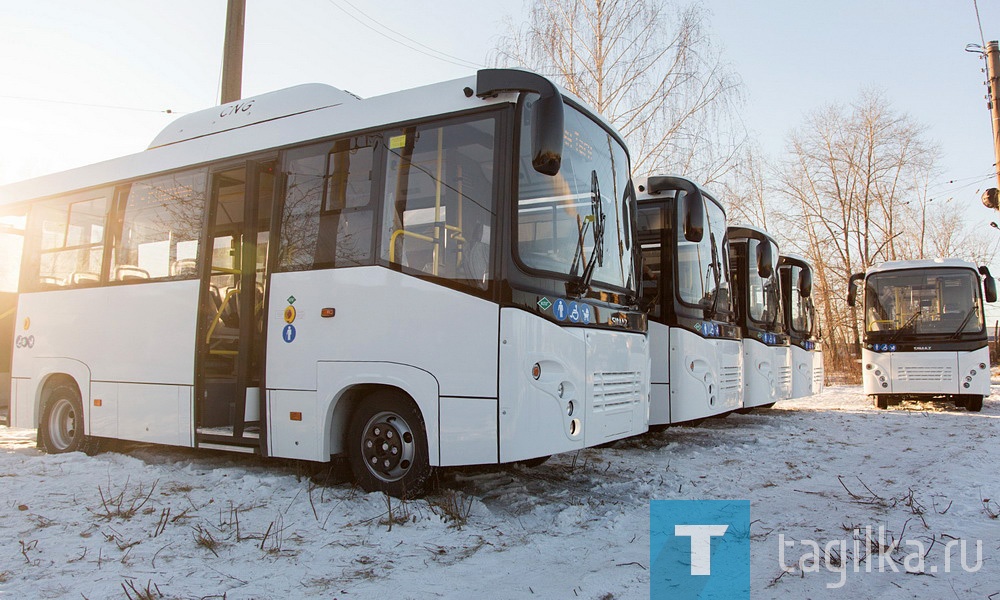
(11, 243)
(231, 319)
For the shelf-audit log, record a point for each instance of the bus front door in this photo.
(11, 243)
(231, 317)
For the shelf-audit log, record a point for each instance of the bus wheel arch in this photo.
(61, 424)
(386, 443)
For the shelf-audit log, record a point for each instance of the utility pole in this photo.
(232, 53)
(990, 196)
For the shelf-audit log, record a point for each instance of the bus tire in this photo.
(974, 403)
(531, 463)
(61, 428)
(387, 446)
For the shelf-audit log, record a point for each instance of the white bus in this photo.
(694, 342)
(439, 276)
(806, 349)
(925, 332)
(767, 371)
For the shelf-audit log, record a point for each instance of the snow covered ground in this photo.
(179, 524)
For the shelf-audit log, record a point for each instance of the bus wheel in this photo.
(531, 463)
(61, 428)
(881, 402)
(388, 446)
(974, 403)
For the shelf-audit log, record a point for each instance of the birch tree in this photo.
(649, 68)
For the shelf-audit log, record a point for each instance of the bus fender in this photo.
(42, 371)
(336, 379)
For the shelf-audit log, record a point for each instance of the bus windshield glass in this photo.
(702, 267)
(932, 302)
(801, 307)
(580, 217)
(765, 296)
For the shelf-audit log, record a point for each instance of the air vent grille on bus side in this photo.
(616, 390)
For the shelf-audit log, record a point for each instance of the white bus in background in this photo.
(767, 371)
(694, 342)
(925, 334)
(806, 349)
(439, 276)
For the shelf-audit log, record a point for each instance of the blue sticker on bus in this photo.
(560, 309)
(585, 314)
(288, 333)
(574, 312)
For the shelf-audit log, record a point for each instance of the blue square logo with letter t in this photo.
(699, 549)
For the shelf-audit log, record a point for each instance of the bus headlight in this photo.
(966, 385)
(982, 365)
(536, 371)
(570, 407)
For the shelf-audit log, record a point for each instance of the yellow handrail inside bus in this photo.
(8, 313)
(218, 315)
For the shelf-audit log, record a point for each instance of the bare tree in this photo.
(856, 179)
(647, 67)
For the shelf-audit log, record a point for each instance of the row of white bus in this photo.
(462, 273)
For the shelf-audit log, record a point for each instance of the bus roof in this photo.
(646, 196)
(265, 122)
(898, 265)
(794, 258)
(749, 231)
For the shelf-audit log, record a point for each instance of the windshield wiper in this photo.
(965, 322)
(717, 278)
(909, 322)
(596, 217)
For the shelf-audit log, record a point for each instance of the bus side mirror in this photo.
(547, 129)
(694, 217)
(852, 288)
(547, 135)
(765, 260)
(692, 203)
(989, 284)
(805, 283)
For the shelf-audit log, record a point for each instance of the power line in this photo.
(461, 62)
(978, 20)
(132, 108)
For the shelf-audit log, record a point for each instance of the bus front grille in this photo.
(784, 375)
(616, 390)
(924, 373)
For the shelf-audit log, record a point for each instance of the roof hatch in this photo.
(250, 111)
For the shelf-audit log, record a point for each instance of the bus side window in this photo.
(326, 218)
(439, 210)
(159, 227)
(70, 234)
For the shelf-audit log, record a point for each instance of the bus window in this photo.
(327, 215)
(71, 238)
(161, 220)
(11, 244)
(439, 200)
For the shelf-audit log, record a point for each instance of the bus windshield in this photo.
(801, 307)
(933, 302)
(578, 220)
(702, 267)
(765, 296)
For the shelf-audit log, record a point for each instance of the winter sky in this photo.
(82, 83)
